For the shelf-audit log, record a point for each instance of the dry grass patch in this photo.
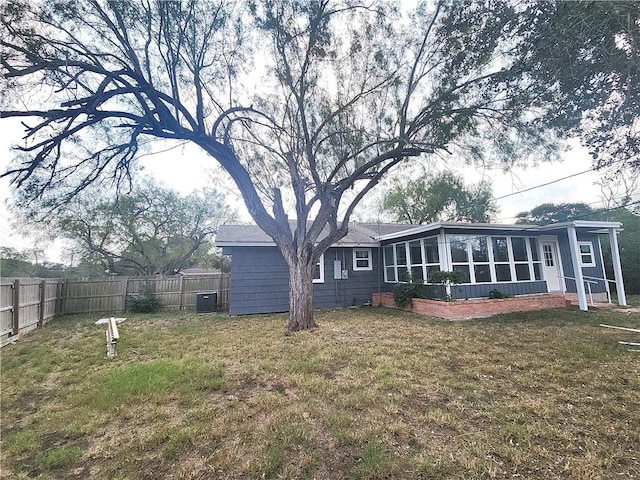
(371, 394)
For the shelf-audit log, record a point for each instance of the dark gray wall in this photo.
(355, 290)
(567, 264)
(260, 281)
(513, 288)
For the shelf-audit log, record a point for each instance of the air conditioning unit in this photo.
(206, 302)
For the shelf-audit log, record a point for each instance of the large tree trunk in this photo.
(300, 296)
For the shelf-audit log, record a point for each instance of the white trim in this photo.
(553, 239)
(577, 267)
(453, 225)
(617, 268)
(369, 259)
(604, 270)
(393, 264)
(492, 263)
(592, 263)
(321, 264)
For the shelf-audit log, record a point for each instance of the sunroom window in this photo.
(501, 258)
(390, 264)
(520, 258)
(488, 259)
(401, 262)
(417, 258)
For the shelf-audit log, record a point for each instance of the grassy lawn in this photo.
(372, 393)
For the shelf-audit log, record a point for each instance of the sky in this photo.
(186, 168)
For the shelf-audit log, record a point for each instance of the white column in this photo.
(604, 271)
(577, 268)
(445, 259)
(617, 268)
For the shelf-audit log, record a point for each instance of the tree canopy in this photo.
(555, 213)
(341, 93)
(151, 230)
(443, 197)
(585, 55)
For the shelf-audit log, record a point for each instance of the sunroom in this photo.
(508, 259)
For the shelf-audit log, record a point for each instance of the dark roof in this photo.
(369, 234)
(360, 234)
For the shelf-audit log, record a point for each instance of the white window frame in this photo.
(392, 263)
(592, 263)
(369, 259)
(319, 263)
(470, 263)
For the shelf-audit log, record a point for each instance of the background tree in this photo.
(151, 230)
(585, 56)
(348, 92)
(547, 213)
(443, 197)
(16, 263)
(627, 239)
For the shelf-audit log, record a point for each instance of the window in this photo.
(485, 259)
(586, 254)
(548, 255)
(417, 258)
(318, 271)
(521, 258)
(362, 259)
(500, 248)
(470, 258)
(480, 257)
(535, 258)
(389, 265)
(401, 262)
(431, 256)
(460, 257)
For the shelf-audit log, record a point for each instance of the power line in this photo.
(543, 184)
(592, 169)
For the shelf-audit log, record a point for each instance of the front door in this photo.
(551, 266)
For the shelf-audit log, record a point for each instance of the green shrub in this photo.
(446, 278)
(495, 293)
(144, 302)
(404, 292)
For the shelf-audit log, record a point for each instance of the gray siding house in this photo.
(514, 259)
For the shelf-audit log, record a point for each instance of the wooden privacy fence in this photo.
(26, 303)
(37, 300)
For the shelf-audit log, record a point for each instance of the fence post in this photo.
(58, 307)
(43, 289)
(181, 292)
(125, 291)
(16, 307)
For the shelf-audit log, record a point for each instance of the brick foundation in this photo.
(478, 308)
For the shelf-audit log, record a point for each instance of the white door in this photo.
(551, 266)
